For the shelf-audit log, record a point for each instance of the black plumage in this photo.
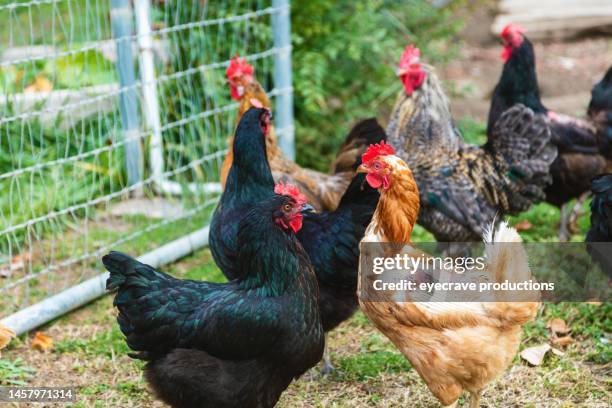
(331, 239)
(601, 223)
(237, 344)
(600, 111)
(581, 153)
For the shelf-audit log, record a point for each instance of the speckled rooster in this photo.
(463, 187)
(322, 190)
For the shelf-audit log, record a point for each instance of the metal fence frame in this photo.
(122, 17)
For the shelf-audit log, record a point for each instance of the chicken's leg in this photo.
(564, 233)
(475, 399)
(576, 212)
(328, 368)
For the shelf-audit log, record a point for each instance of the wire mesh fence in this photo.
(113, 126)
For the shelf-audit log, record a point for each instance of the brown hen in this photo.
(454, 346)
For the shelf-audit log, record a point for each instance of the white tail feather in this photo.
(506, 256)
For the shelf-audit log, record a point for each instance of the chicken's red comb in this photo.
(511, 28)
(239, 67)
(410, 56)
(291, 190)
(376, 150)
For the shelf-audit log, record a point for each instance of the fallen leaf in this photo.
(562, 341)
(594, 302)
(558, 326)
(535, 355)
(524, 225)
(557, 352)
(42, 342)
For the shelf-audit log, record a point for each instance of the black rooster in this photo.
(582, 148)
(331, 239)
(601, 223)
(237, 344)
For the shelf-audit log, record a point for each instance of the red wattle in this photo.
(374, 180)
(506, 53)
(296, 223)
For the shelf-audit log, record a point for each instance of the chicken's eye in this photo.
(287, 207)
(376, 166)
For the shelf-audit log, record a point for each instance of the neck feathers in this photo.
(398, 208)
(270, 264)
(413, 118)
(250, 167)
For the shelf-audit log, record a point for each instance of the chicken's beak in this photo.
(306, 208)
(362, 169)
(401, 71)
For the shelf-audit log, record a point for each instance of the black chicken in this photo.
(582, 151)
(331, 239)
(600, 111)
(601, 223)
(237, 344)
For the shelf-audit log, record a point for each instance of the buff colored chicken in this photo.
(322, 190)
(454, 346)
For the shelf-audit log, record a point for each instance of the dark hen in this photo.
(600, 111)
(599, 237)
(237, 344)
(331, 238)
(582, 145)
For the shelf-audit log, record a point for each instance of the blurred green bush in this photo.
(344, 58)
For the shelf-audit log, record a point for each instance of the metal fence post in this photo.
(121, 20)
(281, 26)
(149, 86)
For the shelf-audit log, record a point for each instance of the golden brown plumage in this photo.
(322, 190)
(454, 346)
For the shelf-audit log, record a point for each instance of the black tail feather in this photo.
(119, 265)
(362, 135)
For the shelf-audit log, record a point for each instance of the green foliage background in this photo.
(344, 58)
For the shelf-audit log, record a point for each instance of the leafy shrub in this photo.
(344, 58)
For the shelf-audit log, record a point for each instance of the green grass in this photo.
(369, 365)
(62, 23)
(15, 372)
(108, 344)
